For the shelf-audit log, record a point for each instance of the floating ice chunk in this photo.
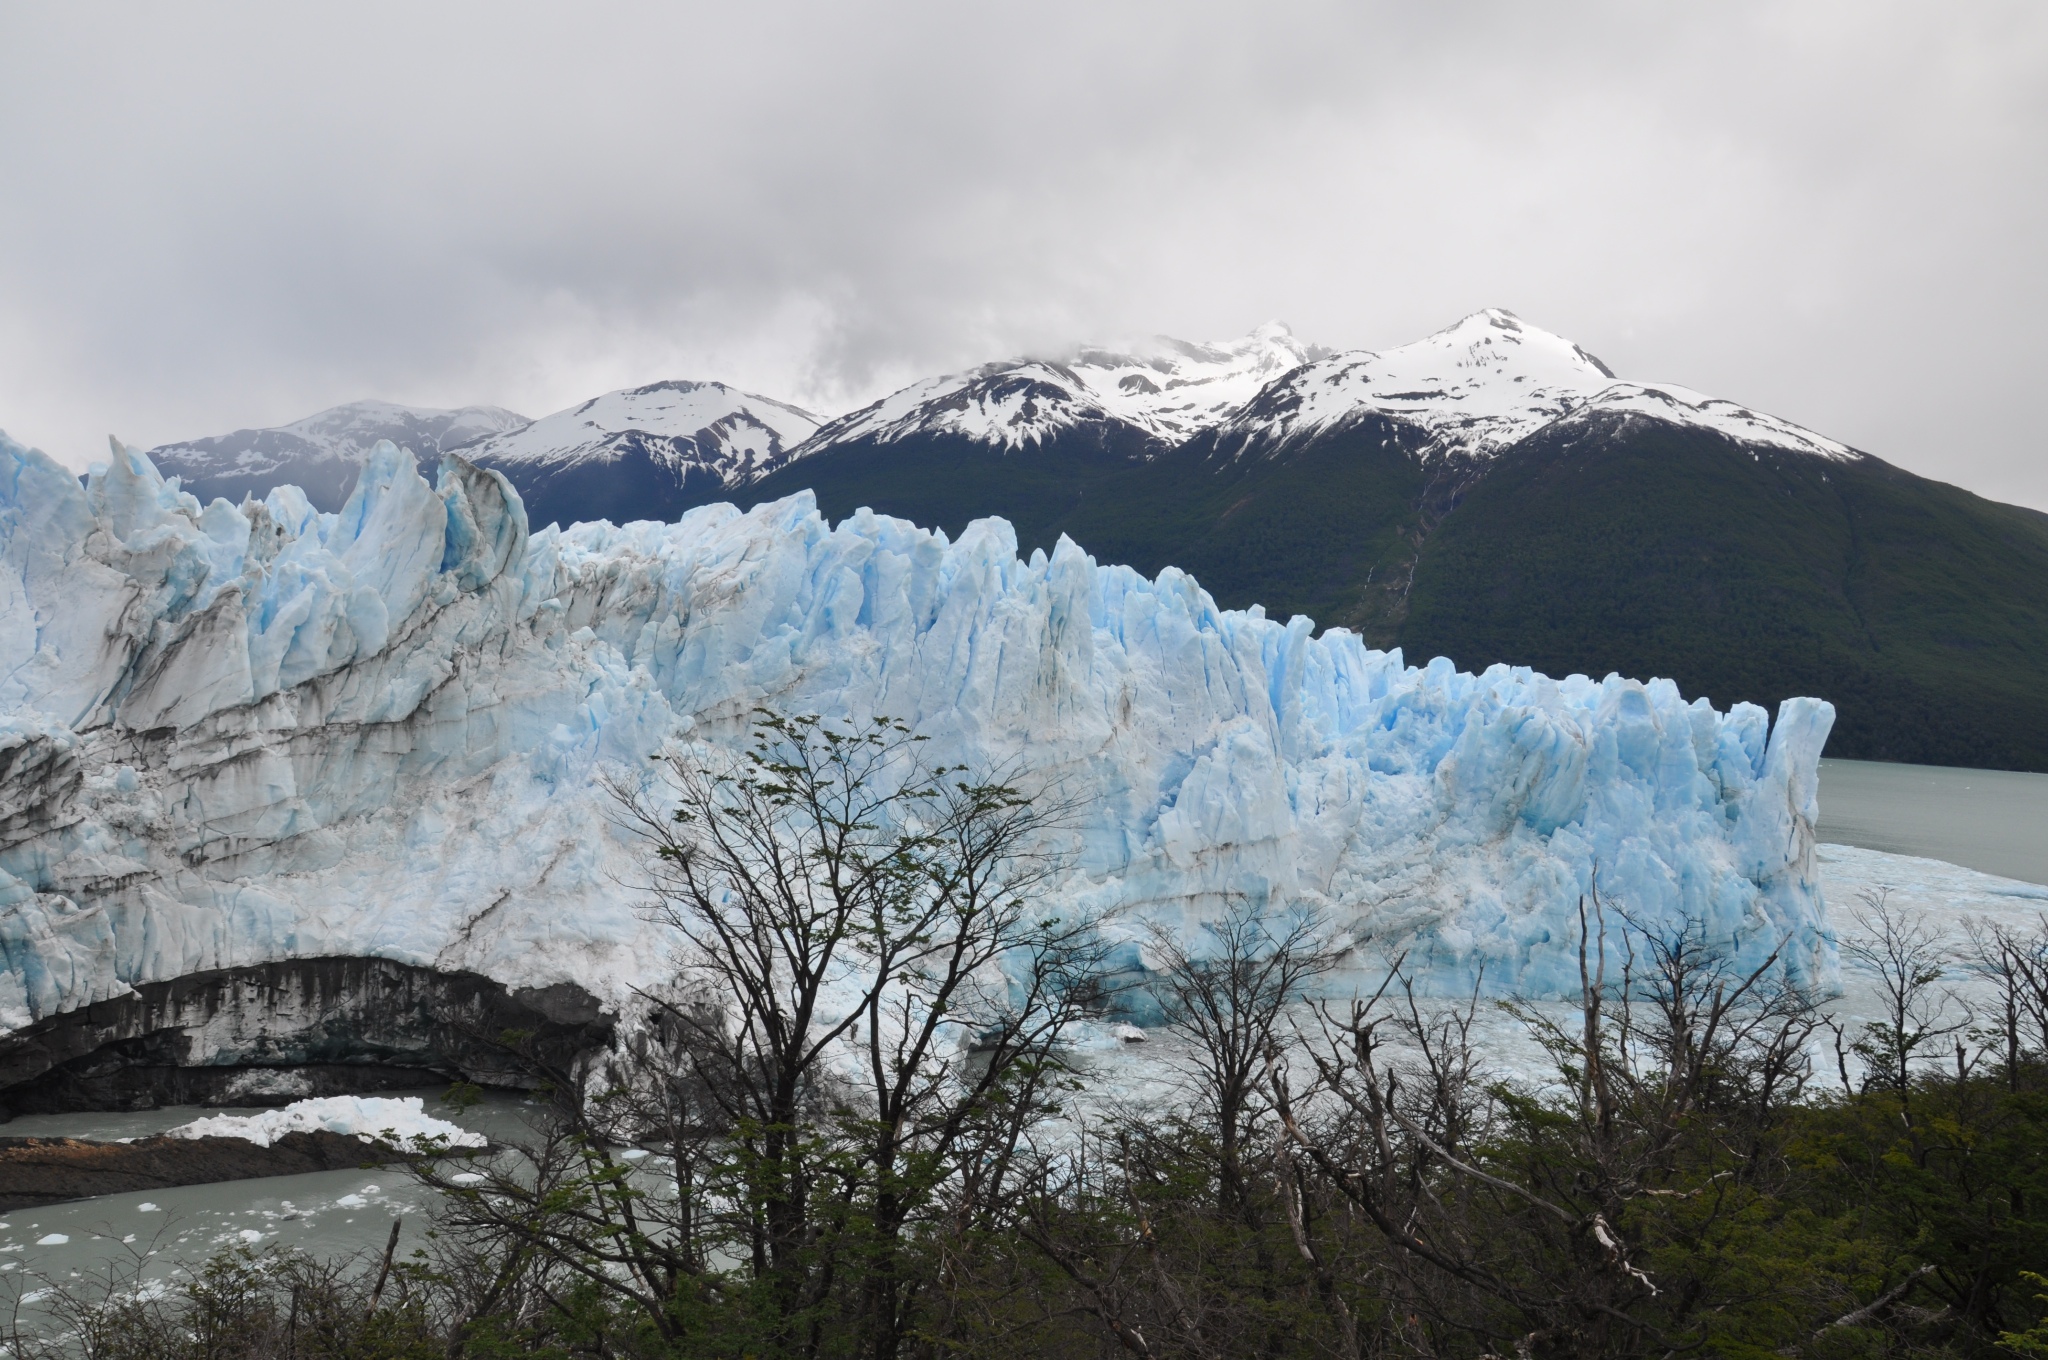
(52, 1240)
(402, 1122)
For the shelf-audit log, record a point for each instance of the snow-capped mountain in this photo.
(322, 453)
(1482, 385)
(731, 434)
(1475, 387)
(1677, 405)
(1165, 390)
(645, 452)
(1175, 387)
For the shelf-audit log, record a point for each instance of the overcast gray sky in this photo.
(214, 215)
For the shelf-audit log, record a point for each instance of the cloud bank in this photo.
(227, 215)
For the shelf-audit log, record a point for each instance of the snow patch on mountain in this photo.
(733, 434)
(1173, 388)
(1488, 382)
(1165, 389)
(1683, 406)
(231, 735)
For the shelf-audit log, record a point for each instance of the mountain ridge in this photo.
(321, 453)
(648, 452)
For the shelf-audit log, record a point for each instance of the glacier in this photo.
(236, 734)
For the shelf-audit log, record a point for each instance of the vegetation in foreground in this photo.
(790, 1161)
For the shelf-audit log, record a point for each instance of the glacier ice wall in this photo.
(231, 735)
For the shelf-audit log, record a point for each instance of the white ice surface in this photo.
(1947, 897)
(235, 735)
(1153, 1075)
(735, 434)
(400, 1121)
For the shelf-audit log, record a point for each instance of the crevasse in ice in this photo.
(231, 735)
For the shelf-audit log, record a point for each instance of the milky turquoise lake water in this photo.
(1991, 820)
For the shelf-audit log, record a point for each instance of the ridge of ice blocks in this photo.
(237, 734)
(402, 1122)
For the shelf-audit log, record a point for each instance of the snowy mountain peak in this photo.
(708, 425)
(1172, 388)
(1497, 341)
(1166, 388)
(347, 432)
(323, 452)
(1482, 384)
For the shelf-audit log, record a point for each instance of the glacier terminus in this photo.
(232, 735)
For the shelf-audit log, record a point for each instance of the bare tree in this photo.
(865, 1017)
(2016, 964)
(1523, 1217)
(1905, 957)
(1227, 989)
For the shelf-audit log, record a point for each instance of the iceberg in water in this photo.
(401, 1121)
(232, 734)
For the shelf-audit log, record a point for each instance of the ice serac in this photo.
(237, 734)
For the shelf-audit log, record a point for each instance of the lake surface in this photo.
(1995, 821)
(151, 1234)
